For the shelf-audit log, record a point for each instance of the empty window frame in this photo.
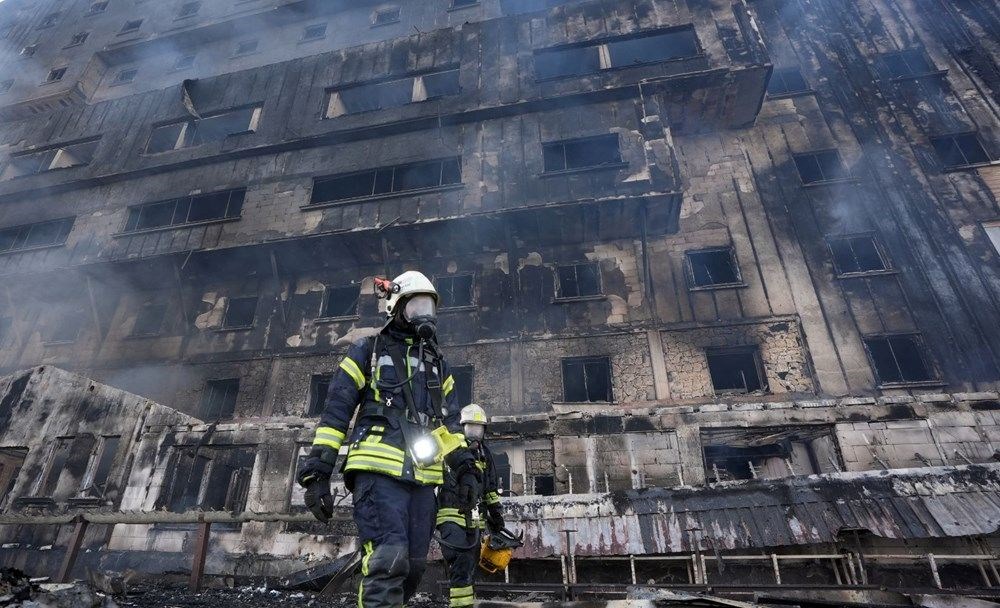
(371, 96)
(240, 312)
(454, 291)
(210, 478)
(769, 452)
(78, 39)
(6, 85)
(643, 48)
(131, 26)
(906, 64)
(319, 388)
(149, 320)
(716, 267)
(786, 81)
(960, 150)
(124, 76)
(55, 75)
(71, 155)
(97, 7)
(385, 16)
(736, 370)
(55, 464)
(246, 47)
(184, 62)
(214, 206)
(857, 254)
(586, 379)
(583, 153)
(29, 50)
(424, 175)
(340, 302)
(218, 401)
(188, 9)
(96, 479)
(40, 234)
(48, 21)
(820, 166)
(65, 328)
(464, 376)
(213, 127)
(11, 462)
(315, 31)
(579, 280)
(898, 359)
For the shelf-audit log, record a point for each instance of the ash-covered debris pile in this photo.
(17, 590)
(176, 596)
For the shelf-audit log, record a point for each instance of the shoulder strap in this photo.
(435, 383)
(397, 353)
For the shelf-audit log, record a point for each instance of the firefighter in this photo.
(458, 522)
(408, 421)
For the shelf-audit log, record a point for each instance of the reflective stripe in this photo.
(378, 450)
(461, 596)
(386, 361)
(375, 465)
(364, 571)
(328, 436)
(352, 369)
(448, 385)
(449, 515)
(492, 498)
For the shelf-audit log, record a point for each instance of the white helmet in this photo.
(410, 283)
(473, 414)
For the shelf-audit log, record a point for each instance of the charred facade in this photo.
(689, 244)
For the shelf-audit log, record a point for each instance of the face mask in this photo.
(474, 432)
(421, 312)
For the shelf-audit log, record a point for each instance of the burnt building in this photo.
(695, 245)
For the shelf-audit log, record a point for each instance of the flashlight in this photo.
(424, 451)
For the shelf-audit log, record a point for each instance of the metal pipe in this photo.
(934, 570)
(777, 571)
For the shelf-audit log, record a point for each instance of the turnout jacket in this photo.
(366, 382)
(450, 505)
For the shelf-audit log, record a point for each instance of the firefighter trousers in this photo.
(461, 557)
(395, 521)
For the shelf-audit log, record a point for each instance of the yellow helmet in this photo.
(474, 414)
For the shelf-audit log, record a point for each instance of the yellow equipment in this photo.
(431, 448)
(497, 549)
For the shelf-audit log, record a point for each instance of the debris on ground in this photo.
(147, 595)
(19, 591)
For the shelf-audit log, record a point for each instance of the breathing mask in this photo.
(421, 312)
(474, 431)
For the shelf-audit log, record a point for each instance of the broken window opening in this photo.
(586, 379)
(319, 388)
(561, 63)
(818, 167)
(713, 268)
(11, 462)
(99, 468)
(97, 7)
(29, 236)
(340, 302)
(149, 320)
(48, 21)
(218, 401)
(385, 16)
(960, 150)
(29, 50)
(189, 9)
(539, 472)
(66, 329)
(55, 464)
(62, 157)
(454, 291)
(367, 97)
(769, 453)
(544, 485)
(464, 376)
(55, 75)
(210, 128)
(906, 64)
(582, 153)
(314, 32)
(246, 47)
(125, 76)
(898, 359)
(211, 478)
(6, 85)
(240, 313)
(78, 39)
(131, 26)
(654, 48)
(382, 181)
(785, 81)
(579, 280)
(857, 255)
(736, 370)
(214, 206)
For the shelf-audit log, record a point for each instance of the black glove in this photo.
(314, 476)
(469, 491)
(494, 517)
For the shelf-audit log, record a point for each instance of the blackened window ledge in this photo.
(340, 319)
(867, 274)
(833, 182)
(791, 94)
(914, 384)
(716, 287)
(957, 168)
(379, 197)
(605, 167)
(571, 299)
(223, 220)
(26, 249)
(618, 68)
(925, 75)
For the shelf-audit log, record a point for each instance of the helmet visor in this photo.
(420, 306)
(474, 431)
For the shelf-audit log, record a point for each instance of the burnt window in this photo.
(182, 63)
(214, 127)
(149, 321)
(543, 485)
(97, 7)
(58, 457)
(579, 280)
(64, 157)
(822, 166)
(55, 75)
(769, 452)
(189, 209)
(6, 85)
(960, 150)
(340, 301)
(586, 379)
(125, 76)
(573, 61)
(581, 153)
(464, 375)
(11, 461)
(905, 64)
(652, 48)
(387, 180)
(78, 39)
(100, 467)
(189, 9)
(246, 47)
(437, 84)
(386, 16)
(314, 32)
(29, 50)
(49, 20)
(898, 359)
(319, 387)
(857, 254)
(218, 401)
(370, 96)
(42, 234)
(240, 312)
(785, 81)
(501, 464)
(454, 291)
(66, 328)
(736, 370)
(713, 267)
(131, 26)
(211, 478)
